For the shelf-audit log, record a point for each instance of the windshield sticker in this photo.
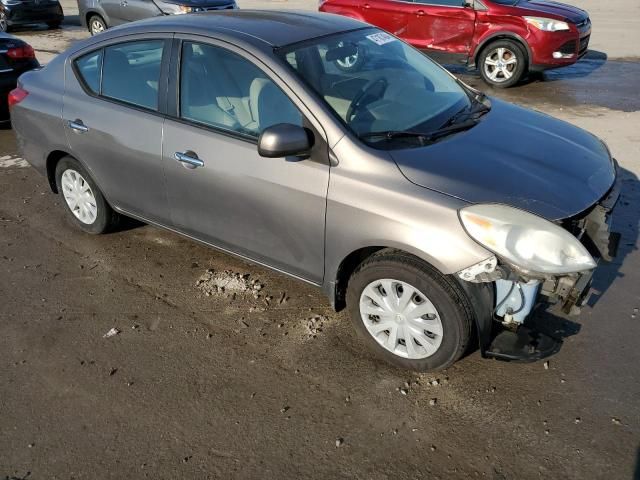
(381, 38)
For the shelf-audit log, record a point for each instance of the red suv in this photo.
(504, 39)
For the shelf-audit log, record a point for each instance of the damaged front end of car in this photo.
(535, 261)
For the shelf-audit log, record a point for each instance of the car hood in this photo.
(558, 10)
(517, 157)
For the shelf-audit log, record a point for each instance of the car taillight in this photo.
(16, 96)
(24, 52)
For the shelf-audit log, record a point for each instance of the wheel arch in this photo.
(338, 276)
(505, 35)
(52, 161)
(481, 296)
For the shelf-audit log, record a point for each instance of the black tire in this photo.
(511, 50)
(106, 218)
(53, 25)
(453, 306)
(95, 20)
(4, 26)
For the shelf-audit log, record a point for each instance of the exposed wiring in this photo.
(506, 297)
(522, 305)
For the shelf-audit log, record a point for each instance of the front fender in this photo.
(371, 204)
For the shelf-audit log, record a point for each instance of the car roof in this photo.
(275, 28)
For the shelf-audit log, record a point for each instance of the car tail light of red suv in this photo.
(502, 38)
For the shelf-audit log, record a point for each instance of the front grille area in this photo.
(591, 227)
(568, 48)
(584, 24)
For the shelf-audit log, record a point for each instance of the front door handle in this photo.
(189, 159)
(421, 13)
(78, 126)
(366, 5)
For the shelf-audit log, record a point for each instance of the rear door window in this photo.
(131, 72)
(128, 72)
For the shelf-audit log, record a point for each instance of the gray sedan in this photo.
(433, 213)
(98, 15)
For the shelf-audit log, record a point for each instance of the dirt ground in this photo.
(196, 382)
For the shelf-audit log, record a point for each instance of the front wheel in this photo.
(408, 313)
(502, 63)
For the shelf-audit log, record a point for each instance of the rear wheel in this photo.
(96, 24)
(85, 205)
(502, 63)
(408, 313)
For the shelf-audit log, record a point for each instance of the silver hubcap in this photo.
(97, 26)
(500, 64)
(3, 22)
(401, 319)
(79, 197)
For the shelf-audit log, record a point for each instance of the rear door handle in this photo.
(189, 159)
(420, 13)
(78, 126)
(366, 5)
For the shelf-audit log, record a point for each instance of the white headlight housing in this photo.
(525, 240)
(547, 24)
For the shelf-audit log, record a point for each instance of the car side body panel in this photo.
(439, 28)
(37, 120)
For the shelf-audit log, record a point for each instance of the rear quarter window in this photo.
(89, 69)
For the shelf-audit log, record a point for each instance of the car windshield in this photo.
(376, 83)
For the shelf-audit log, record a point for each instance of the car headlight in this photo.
(547, 24)
(184, 9)
(525, 240)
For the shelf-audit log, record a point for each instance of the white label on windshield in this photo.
(381, 38)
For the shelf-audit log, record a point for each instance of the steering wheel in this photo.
(366, 95)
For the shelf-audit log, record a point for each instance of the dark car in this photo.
(426, 208)
(28, 12)
(16, 57)
(98, 15)
(504, 39)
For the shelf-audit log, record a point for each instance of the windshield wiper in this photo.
(424, 137)
(474, 112)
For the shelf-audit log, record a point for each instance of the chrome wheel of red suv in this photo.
(502, 63)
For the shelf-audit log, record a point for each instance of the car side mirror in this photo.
(284, 140)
